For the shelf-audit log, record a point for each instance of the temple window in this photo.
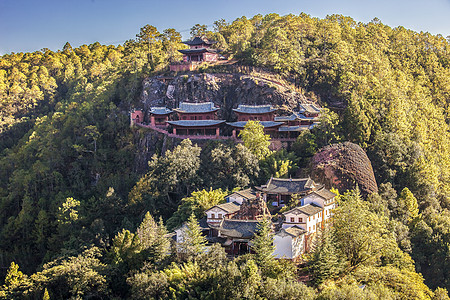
(213, 216)
(300, 220)
(292, 220)
(220, 216)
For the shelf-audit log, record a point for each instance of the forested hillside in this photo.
(72, 205)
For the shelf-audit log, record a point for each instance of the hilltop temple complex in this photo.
(199, 120)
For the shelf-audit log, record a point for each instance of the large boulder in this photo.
(344, 166)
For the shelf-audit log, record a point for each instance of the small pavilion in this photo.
(159, 116)
(199, 51)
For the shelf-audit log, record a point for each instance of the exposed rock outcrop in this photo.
(225, 90)
(343, 166)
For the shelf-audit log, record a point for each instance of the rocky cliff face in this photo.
(225, 90)
(344, 166)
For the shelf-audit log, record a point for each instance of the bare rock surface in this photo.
(344, 166)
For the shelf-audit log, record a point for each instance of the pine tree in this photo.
(46, 295)
(193, 242)
(153, 242)
(326, 262)
(410, 203)
(263, 245)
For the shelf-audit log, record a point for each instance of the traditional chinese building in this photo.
(238, 231)
(241, 196)
(159, 116)
(309, 110)
(278, 191)
(199, 51)
(289, 242)
(262, 113)
(137, 116)
(294, 124)
(197, 119)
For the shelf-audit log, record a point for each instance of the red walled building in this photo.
(262, 113)
(159, 116)
(196, 119)
(200, 51)
(137, 116)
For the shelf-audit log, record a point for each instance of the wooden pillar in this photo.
(152, 120)
(174, 130)
(234, 133)
(217, 132)
(204, 131)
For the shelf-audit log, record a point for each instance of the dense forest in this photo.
(78, 221)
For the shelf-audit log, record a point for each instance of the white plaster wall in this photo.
(283, 246)
(237, 199)
(311, 223)
(312, 198)
(298, 245)
(180, 234)
(216, 211)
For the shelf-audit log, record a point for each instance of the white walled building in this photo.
(240, 196)
(217, 213)
(290, 242)
(323, 198)
(309, 217)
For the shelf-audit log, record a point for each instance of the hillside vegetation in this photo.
(71, 201)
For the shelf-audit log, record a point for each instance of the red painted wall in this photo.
(259, 117)
(137, 116)
(197, 116)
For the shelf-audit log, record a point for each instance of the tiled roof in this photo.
(247, 194)
(308, 209)
(230, 207)
(287, 186)
(202, 223)
(310, 108)
(198, 41)
(199, 50)
(196, 123)
(238, 228)
(265, 124)
(293, 117)
(325, 194)
(202, 107)
(254, 109)
(293, 231)
(294, 128)
(160, 110)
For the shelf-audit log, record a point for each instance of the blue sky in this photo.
(30, 25)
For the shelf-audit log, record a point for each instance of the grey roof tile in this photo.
(293, 231)
(198, 41)
(199, 50)
(288, 186)
(196, 123)
(254, 109)
(202, 107)
(160, 110)
(247, 194)
(230, 207)
(308, 209)
(310, 108)
(238, 228)
(265, 124)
